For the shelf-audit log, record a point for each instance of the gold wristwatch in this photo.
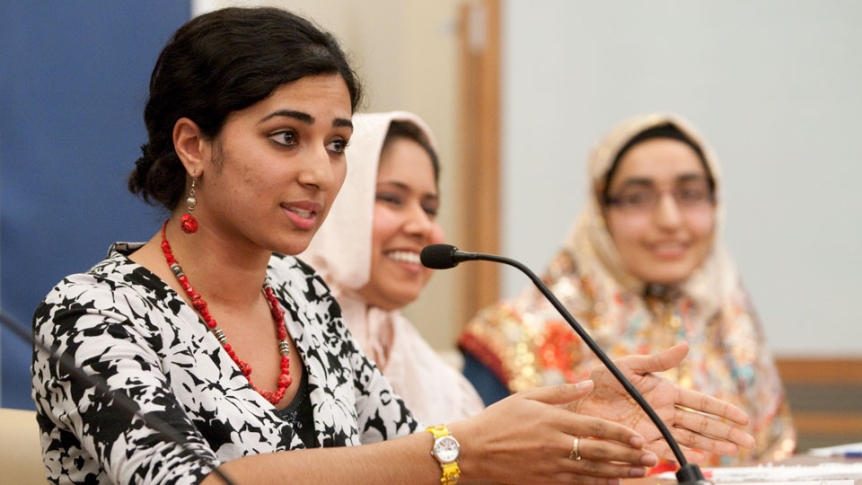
(445, 450)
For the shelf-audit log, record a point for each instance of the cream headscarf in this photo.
(525, 342)
(341, 252)
(595, 252)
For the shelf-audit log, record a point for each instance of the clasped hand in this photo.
(700, 423)
(530, 436)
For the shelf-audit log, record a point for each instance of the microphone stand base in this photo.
(690, 474)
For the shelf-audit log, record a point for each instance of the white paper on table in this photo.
(801, 482)
(840, 450)
(823, 472)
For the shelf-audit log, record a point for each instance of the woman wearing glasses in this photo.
(642, 269)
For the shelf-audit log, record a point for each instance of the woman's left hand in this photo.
(700, 423)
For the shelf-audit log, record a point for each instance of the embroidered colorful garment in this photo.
(525, 343)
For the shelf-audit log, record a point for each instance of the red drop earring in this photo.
(188, 223)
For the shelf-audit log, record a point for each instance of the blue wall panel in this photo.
(73, 83)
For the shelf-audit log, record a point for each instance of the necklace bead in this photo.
(198, 303)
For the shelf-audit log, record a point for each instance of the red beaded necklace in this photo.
(199, 304)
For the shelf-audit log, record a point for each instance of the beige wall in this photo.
(406, 54)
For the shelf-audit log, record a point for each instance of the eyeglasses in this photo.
(644, 198)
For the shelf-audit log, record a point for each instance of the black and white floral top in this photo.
(121, 322)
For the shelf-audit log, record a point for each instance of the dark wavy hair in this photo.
(218, 63)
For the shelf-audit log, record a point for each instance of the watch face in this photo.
(446, 449)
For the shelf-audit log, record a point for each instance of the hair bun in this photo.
(144, 163)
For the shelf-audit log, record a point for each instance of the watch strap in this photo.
(451, 471)
(439, 431)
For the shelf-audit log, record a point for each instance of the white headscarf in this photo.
(341, 249)
(341, 252)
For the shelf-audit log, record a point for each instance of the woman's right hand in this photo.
(529, 436)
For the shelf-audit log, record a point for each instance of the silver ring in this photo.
(575, 454)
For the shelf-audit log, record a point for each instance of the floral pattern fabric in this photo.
(124, 325)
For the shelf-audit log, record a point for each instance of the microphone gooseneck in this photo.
(120, 400)
(444, 256)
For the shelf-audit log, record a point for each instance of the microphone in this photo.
(445, 256)
(120, 400)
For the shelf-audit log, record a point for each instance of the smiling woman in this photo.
(660, 207)
(642, 269)
(368, 252)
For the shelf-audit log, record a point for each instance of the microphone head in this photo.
(439, 256)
